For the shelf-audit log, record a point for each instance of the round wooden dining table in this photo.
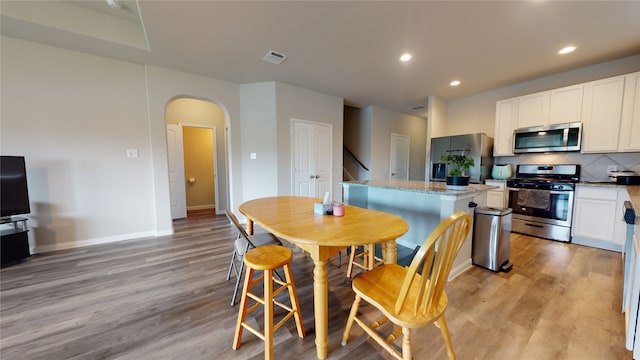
(292, 218)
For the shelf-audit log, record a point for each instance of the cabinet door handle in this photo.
(317, 176)
(312, 177)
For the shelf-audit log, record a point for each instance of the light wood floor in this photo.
(167, 298)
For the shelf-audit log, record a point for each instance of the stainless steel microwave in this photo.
(560, 137)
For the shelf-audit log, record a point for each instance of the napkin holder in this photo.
(322, 209)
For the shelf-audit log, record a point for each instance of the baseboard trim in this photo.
(460, 269)
(600, 244)
(201, 207)
(103, 240)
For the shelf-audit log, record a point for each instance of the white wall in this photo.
(259, 136)
(298, 103)
(73, 116)
(384, 123)
(266, 113)
(477, 113)
(437, 116)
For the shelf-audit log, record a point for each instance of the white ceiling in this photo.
(352, 49)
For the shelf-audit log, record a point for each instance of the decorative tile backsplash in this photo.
(593, 167)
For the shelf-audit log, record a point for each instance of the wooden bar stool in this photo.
(267, 258)
(368, 256)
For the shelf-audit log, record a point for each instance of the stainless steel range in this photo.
(541, 197)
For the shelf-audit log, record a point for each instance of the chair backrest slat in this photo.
(434, 258)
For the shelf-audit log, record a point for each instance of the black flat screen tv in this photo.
(14, 195)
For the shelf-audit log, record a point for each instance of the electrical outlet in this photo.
(611, 168)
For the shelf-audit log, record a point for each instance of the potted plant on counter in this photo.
(457, 164)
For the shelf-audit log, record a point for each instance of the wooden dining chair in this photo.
(411, 297)
(243, 243)
(364, 257)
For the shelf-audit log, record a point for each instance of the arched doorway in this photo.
(197, 156)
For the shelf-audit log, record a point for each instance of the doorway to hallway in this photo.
(196, 155)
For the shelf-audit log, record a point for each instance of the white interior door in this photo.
(399, 164)
(322, 155)
(311, 152)
(175, 154)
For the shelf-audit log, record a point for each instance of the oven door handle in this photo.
(552, 192)
(533, 225)
(559, 192)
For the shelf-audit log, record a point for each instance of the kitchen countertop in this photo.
(634, 194)
(427, 187)
(632, 190)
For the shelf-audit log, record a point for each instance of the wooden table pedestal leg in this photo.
(392, 252)
(321, 307)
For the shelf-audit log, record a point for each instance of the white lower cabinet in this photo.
(597, 218)
(497, 198)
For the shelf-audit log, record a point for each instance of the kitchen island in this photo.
(422, 204)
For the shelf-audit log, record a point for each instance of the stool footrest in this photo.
(255, 332)
(281, 322)
(257, 298)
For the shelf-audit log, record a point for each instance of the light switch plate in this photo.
(132, 153)
(253, 156)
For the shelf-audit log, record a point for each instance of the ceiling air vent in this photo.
(417, 107)
(274, 57)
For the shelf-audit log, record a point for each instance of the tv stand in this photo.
(14, 240)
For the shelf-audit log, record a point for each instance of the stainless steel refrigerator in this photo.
(478, 146)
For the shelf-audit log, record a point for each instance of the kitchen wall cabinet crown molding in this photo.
(630, 122)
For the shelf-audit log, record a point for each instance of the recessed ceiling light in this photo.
(405, 57)
(566, 50)
(454, 83)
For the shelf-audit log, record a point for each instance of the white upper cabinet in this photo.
(609, 110)
(558, 106)
(533, 110)
(506, 114)
(566, 105)
(630, 123)
(601, 115)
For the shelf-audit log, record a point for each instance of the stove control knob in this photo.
(560, 187)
